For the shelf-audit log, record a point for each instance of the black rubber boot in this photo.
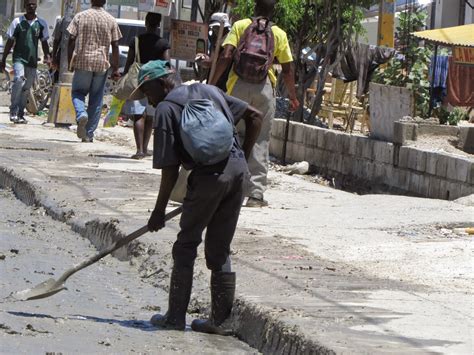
(180, 293)
(222, 299)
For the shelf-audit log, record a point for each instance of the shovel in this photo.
(215, 54)
(51, 286)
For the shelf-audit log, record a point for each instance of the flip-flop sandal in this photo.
(138, 156)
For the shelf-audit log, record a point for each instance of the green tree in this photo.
(326, 26)
(410, 70)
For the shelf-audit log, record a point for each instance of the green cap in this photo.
(150, 71)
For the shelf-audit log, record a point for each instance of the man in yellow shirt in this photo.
(259, 95)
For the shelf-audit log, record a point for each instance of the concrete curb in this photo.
(251, 323)
(258, 328)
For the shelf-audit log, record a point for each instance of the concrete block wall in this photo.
(404, 131)
(401, 168)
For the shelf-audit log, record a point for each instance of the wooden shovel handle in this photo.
(216, 52)
(118, 244)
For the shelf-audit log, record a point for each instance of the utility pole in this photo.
(61, 110)
(69, 11)
(386, 27)
(13, 10)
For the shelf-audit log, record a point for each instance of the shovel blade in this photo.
(42, 290)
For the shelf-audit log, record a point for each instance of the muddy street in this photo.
(105, 309)
(318, 269)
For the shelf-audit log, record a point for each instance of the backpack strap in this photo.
(268, 23)
(242, 41)
(137, 51)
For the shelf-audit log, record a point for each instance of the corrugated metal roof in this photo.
(450, 36)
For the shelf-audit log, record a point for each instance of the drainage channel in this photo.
(105, 308)
(252, 324)
(338, 181)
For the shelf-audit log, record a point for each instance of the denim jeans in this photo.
(23, 79)
(87, 83)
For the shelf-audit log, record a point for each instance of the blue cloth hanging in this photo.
(441, 71)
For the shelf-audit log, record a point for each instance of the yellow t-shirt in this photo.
(282, 50)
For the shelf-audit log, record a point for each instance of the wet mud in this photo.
(105, 309)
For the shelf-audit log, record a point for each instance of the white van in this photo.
(129, 29)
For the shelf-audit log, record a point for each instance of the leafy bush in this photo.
(452, 118)
(442, 113)
(411, 69)
(457, 115)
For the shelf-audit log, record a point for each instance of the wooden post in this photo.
(215, 54)
(287, 130)
(433, 71)
(194, 10)
(60, 97)
(332, 97)
(386, 36)
(13, 10)
(69, 11)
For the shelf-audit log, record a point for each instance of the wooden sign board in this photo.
(187, 39)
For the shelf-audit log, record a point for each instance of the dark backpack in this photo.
(205, 129)
(254, 55)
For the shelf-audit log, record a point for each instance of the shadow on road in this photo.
(132, 323)
(63, 140)
(111, 156)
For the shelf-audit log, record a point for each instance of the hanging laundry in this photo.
(460, 84)
(439, 79)
(359, 63)
(441, 71)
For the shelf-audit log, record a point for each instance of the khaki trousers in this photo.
(261, 96)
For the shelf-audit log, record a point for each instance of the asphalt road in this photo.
(105, 309)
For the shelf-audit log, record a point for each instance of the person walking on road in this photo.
(204, 61)
(23, 36)
(150, 47)
(92, 32)
(254, 82)
(213, 198)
